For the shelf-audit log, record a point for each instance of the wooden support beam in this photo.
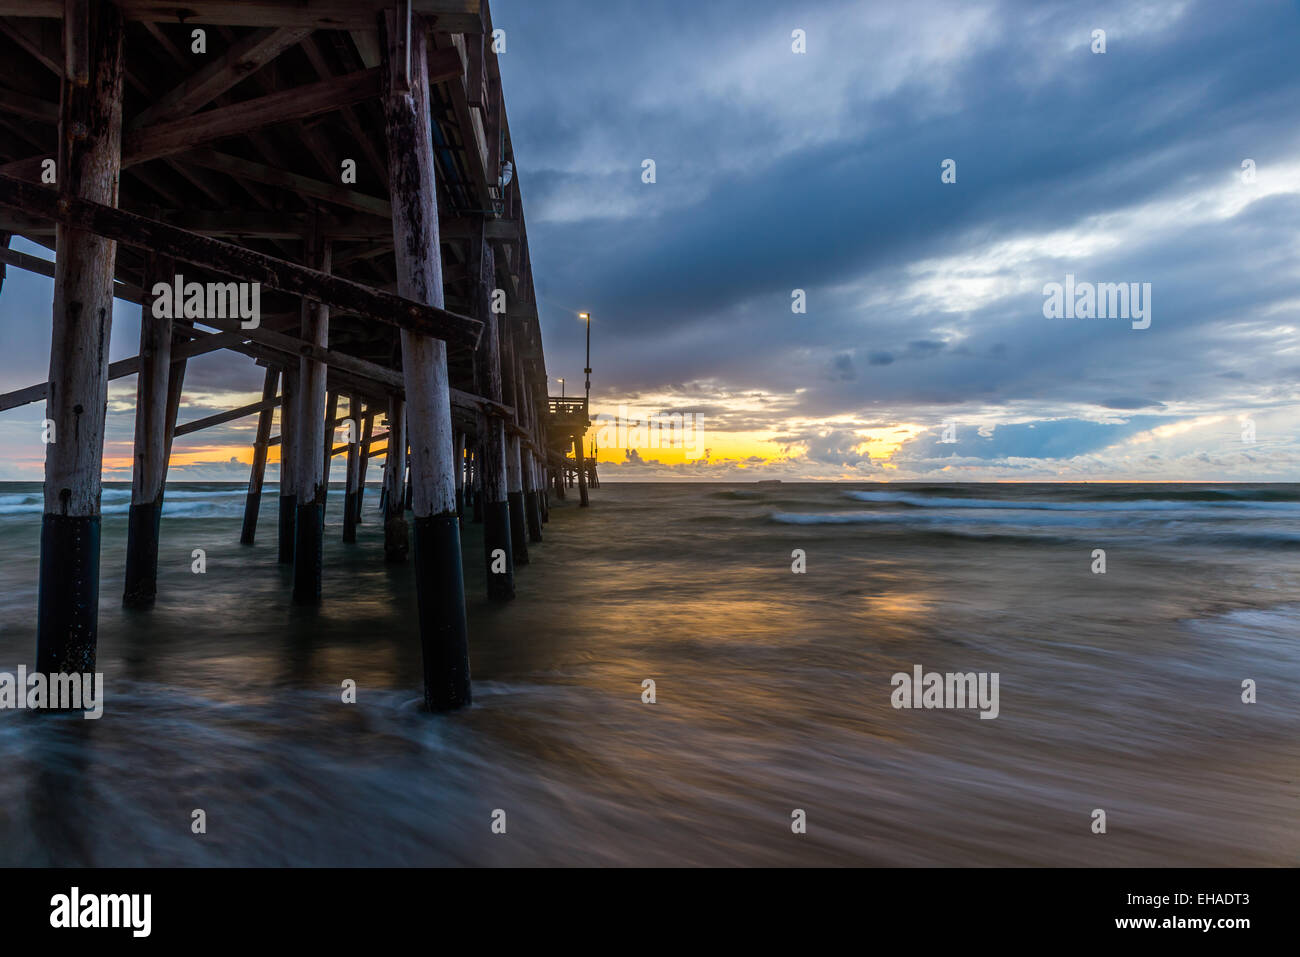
(312, 467)
(523, 404)
(514, 453)
(149, 465)
(28, 107)
(276, 225)
(246, 56)
(288, 454)
(396, 538)
(363, 455)
(459, 452)
(304, 185)
(439, 578)
(399, 48)
(90, 133)
(41, 39)
(76, 41)
(332, 421)
(579, 459)
(312, 99)
(383, 379)
(124, 367)
(45, 267)
(352, 471)
(498, 553)
(375, 164)
(253, 504)
(221, 418)
(284, 106)
(244, 264)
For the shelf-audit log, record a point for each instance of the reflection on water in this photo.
(1119, 691)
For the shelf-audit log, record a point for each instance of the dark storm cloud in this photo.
(691, 277)
(1060, 439)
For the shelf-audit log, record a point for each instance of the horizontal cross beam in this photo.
(389, 381)
(124, 367)
(177, 136)
(244, 264)
(221, 418)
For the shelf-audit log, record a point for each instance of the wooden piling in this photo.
(353, 473)
(395, 530)
(515, 497)
(582, 471)
(329, 427)
(476, 472)
(149, 465)
(532, 509)
(288, 459)
(514, 465)
(498, 555)
(532, 514)
(460, 477)
(88, 165)
(253, 504)
(311, 469)
(439, 578)
(546, 493)
(363, 465)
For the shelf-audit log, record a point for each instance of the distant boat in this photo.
(769, 481)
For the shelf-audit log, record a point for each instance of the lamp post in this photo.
(587, 370)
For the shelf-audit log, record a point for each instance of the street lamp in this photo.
(587, 370)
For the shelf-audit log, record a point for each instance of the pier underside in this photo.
(329, 190)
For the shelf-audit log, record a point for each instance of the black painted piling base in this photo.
(533, 515)
(444, 632)
(67, 605)
(142, 555)
(288, 509)
(496, 535)
(460, 505)
(396, 538)
(518, 527)
(349, 518)
(308, 553)
(478, 509)
(252, 506)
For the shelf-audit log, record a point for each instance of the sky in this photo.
(801, 289)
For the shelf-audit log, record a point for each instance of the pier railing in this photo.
(568, 407)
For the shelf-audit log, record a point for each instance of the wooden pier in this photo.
(350, 163)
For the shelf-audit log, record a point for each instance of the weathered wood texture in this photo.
(237, 261)
(253, 504)
(439, 576)
(151, 391)
(90, 129)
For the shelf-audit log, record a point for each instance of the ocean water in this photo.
(1118, 691)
